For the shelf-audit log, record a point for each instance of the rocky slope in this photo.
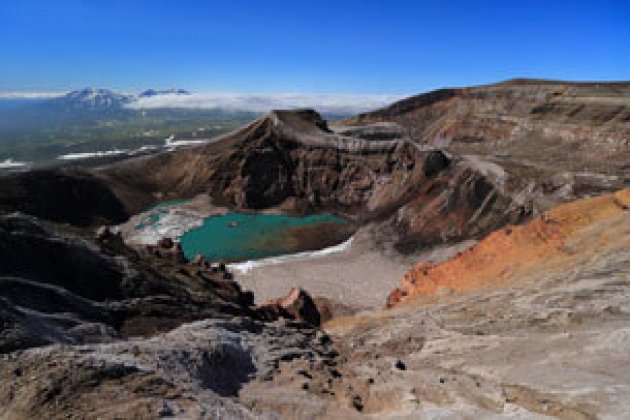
(67, 196)
(521, 252)
(530, 323)
(58, 286)
(560, 140)
(84, 328)
(193, 371)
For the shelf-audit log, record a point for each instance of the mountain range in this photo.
(79, 103)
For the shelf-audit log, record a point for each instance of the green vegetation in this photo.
(43, 141)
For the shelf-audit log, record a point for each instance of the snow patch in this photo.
(170, 142)
(89, 155)
(11, 164)
(172, 223)
(247, 266)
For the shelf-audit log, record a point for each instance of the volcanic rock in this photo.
(69, 196)
(297, 305)
(513, 252)
(165, 243)
(291, 160)
(536, 130)
(187, 370)
(58, 287)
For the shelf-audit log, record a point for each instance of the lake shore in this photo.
(360, 276)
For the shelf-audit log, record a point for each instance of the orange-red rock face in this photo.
(516, 252)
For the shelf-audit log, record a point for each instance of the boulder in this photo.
(165, 243)
(297, 305)
(198, 260)
(102, 233)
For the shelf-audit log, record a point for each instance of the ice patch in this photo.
(171, 143)
(247, 266)
(89, 155)
(170, 223)
(11, 164)
(143, 149)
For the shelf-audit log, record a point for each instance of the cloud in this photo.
(30, 95)
(327, 103)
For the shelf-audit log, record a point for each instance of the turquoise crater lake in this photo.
(243, 236)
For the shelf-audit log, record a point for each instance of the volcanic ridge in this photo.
(486, 271)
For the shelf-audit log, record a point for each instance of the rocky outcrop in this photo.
(376, 131)
(518, 252)
(297, 305)
(167, 248)
(57, 287)
(186, 373)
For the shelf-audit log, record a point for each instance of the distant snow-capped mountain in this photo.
(93, 99)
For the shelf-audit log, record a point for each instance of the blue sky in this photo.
(397, 47)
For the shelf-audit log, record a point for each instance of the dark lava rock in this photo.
(69, 196)
(59, 287)
(166, 243)
(400, 365)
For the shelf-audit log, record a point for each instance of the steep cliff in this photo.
(561, 140)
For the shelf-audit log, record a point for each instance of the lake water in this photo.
(170, 203)
(242, 236)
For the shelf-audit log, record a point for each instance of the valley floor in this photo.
(359, 278)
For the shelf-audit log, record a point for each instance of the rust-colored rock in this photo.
(297, 305)
(516, 252)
